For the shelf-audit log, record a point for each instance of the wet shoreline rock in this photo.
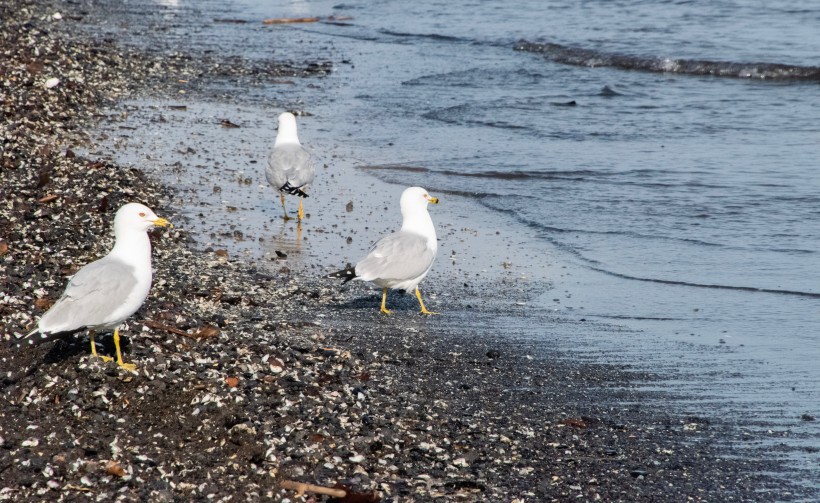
(246, 379)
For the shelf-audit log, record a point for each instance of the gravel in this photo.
(247, 378)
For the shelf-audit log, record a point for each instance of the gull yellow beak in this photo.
(433, 200)
(161, 222)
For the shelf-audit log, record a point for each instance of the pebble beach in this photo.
(248, 377)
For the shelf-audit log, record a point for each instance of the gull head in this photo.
(287, 129)
(415, 199)
(135, 217)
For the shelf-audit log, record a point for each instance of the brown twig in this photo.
(76, 488)
(301, 487)
(285, 20)
(205, 333)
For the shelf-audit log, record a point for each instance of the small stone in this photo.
(276, 365)
(113, 468)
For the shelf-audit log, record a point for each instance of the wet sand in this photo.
(251, 373)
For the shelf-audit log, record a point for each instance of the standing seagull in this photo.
(104, 293)
(290, 166)
(402, 259)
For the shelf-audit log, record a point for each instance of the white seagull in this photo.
(290, 166)
(104, 293)
(402, 259)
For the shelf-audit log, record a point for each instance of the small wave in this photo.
(395, 167)
(476, 77)
(587, 57)
(579, 174)
(458, 115)
(608, 92)
(498, 175)
(753, 289)
(428, 36)
(639, 318)
(513, 174)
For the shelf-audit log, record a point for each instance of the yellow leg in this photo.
(282, 197)
(384, 300)
(94, 348)
(301, 213)
(127, 366)
(421, 303)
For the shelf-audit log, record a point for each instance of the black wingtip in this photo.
(30, 340)
(36, 338)
(294, 191)
(348, 273)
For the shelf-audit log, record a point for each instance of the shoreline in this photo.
(414, 409)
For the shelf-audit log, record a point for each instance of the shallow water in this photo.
(682, 207)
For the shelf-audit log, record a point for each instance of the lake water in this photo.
(676, 204)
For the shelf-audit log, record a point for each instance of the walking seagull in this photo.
(402, 259)
(104, 293)
(290, 166)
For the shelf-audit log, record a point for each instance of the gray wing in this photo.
(96, 291)
(290, 163)
(398, 256)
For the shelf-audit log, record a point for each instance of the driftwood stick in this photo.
(76, 488)
(160, 326)
(301, 487)
(285, 20)
(204, 333)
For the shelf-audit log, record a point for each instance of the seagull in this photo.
(402, 259)
(104, 293)
(290, 166)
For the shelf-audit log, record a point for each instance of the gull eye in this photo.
(142, 214)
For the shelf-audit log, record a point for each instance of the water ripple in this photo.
(579, 56)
